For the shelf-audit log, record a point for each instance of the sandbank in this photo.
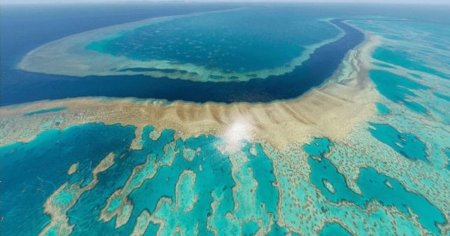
(332, 110)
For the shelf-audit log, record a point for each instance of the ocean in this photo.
(387, 176)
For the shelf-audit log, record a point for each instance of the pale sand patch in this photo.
(73, 168)
(142, 223)
(332, 110)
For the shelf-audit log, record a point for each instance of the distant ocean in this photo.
(27, 27)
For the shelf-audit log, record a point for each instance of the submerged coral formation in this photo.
(368, 152)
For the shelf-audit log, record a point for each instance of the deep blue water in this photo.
(24, 31)
(27, 27)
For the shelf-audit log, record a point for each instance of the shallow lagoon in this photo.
(30, 172)
(195, 174)
(233, 42)
(59, 86)
(319, 66)
(135, 173)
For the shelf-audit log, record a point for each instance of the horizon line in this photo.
(70, 2)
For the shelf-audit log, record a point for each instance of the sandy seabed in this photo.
(332, 110)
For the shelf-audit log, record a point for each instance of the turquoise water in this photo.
(242, 40)
(30, 172)
(415, 79)
(323, 172)
(382, 109)
(162, 162)
(374, 186)
(406, 60)
(334, 229)
(390, 192)
(262, 168)
(318, 147)
(447, 153)
(404, 143)
(445, 97)
(397, 89)
(159, 163)
(375, 181)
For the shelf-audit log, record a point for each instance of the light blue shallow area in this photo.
(250, 228)
(334, 229)
(447, 153)
(442, 96)
(318, 147)
(262, 168)
(242, 40)
(406, 144)
(88, 144)
(213, 171)
(31, 172)
(323, 170)
(390, 192)
(397, 89)
(382, 109)
(404, 59)
(374, 186)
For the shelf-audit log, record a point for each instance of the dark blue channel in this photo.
(320, 66)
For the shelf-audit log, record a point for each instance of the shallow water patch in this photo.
(405, 60)
(31, 171)
(325, 176)
(390, 192)
(408, 145)
(382, 109)
(374, 186)
(262, 168)
(221, 42)
(442, 96)
(334, 229)
(397, 89)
